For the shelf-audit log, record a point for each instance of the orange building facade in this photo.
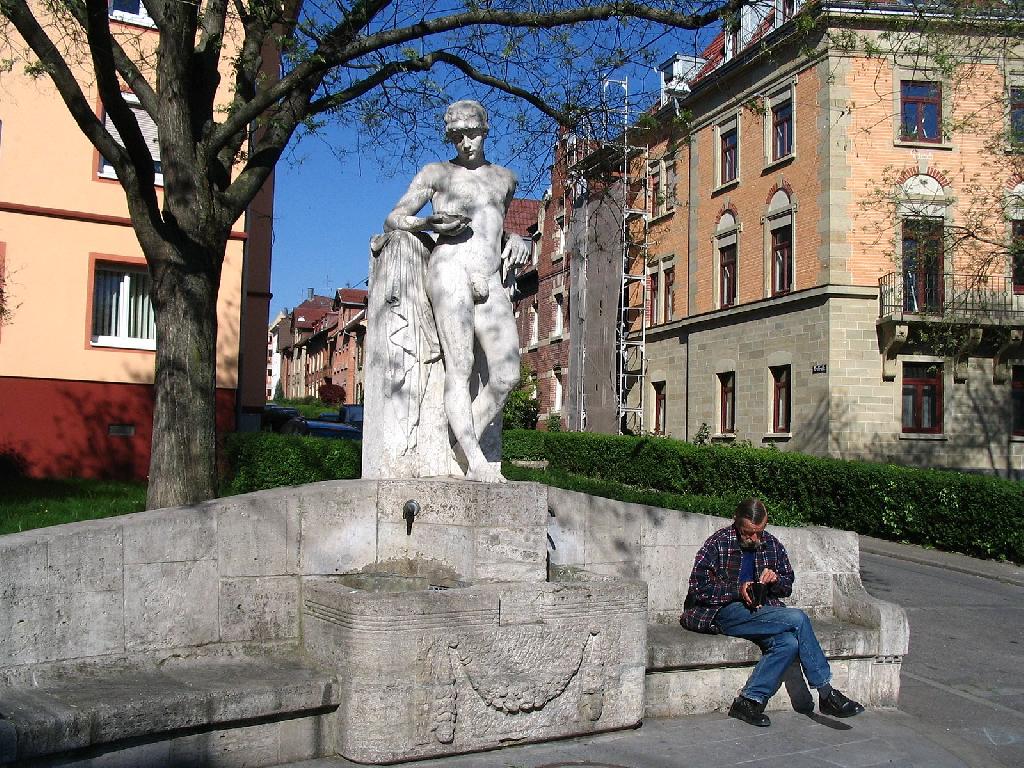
(77, 349)
(831, 246)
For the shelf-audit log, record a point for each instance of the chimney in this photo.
(309, 293)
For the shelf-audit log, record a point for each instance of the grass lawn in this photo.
(27, 503)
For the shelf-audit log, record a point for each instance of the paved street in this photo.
(964, 677)
(961, 702)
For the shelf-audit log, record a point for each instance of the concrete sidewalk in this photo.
(876, 738)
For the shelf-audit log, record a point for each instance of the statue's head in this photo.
(465, 114)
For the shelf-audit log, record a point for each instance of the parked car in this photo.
(274, 416)
(318, 428)
(352, 414)
(332, 416)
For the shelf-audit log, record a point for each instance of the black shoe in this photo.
(837, 705)
(749, 711)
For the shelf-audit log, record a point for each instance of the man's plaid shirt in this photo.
(715, 580)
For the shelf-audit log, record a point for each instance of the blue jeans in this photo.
(782, 634)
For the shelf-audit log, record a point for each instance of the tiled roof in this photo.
(317, 302)
(305, 319)
(351, 296)
(522, 216)
(305, 315)
(715, 52)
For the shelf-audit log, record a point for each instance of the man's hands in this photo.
(768, 576)
(745, 596)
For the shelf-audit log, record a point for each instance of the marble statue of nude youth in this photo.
(469, 197)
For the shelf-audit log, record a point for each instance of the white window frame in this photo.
(534, 325)
(773, 100)
(559, 237)
(557, 393)
(142, 19)
(106, 170)
(780, 16)
(120, 340)
(723, 127)
(663, 175)
(558, 324)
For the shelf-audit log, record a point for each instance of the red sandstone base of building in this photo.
(85, 428)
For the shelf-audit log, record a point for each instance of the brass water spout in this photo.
(409, 512)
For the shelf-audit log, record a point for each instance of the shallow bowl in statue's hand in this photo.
(449, 219)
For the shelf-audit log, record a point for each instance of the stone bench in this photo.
(175, 713)
(689, 672)
(174, 632)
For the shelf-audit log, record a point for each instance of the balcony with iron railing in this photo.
(926, 295)
(976, 304)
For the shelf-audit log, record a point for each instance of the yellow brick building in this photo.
(832, 199)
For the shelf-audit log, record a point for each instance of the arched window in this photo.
(725, 258)
(779, 250)
(922, 207)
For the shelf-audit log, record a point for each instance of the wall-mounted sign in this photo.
(819, 368)
(121, 430)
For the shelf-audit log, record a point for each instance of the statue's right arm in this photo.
(421, 189)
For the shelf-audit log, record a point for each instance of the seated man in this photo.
(721, 599)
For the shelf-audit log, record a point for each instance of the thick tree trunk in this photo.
(183, 465)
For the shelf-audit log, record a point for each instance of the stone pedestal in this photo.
(441, 671)
(453, 640)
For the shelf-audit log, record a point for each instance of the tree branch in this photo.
(207, 54)
(273, 138)
(336, 50)
(423, 64)
(515, 19)
(131, 74)
(134, 165)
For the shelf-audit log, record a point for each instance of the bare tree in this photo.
(225, 113)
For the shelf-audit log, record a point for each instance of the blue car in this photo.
(318, 428)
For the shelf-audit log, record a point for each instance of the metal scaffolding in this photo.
(631, 329)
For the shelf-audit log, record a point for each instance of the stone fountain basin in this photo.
(433, 665)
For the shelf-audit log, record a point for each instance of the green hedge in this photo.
(525, 444)
(259, 460)
(974, 514)
(719, 506)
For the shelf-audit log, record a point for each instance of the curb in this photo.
(911, 553)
